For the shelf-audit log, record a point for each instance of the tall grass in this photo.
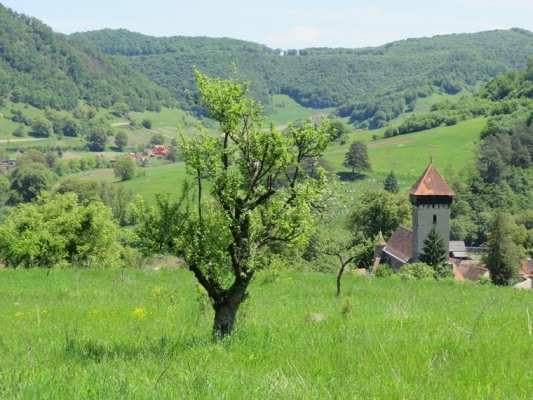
(146, 334)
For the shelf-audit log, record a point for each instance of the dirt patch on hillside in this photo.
(393, 142)
(20, 140)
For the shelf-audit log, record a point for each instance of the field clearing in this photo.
(408, 155)
(287, 110)
(146, 334)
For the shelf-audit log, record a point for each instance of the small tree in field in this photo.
(357, 157)
(125, 168)
(259, 195)
(345, 249)
(391, 183)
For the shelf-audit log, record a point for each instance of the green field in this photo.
(451, 148)
(143, 334)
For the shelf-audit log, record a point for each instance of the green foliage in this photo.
(383, 271)
(259, 194)
(357, 157)
(48, 70)
(418, 270)
(147, 123)
(118, 198)
(97, 138)
(19, 132)
(157, 139)
(30, 179)
(379, 211)
(371, 86)
(434, 251)
(390, 184)
(338, 130)
(125, 168)
(42, 127)
(502, 259)
(121, 140)
(57, 230)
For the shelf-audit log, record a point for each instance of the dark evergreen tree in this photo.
(391, 183)
(434, 250)
(502, 258)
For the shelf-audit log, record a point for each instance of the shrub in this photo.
(383, 271)
(417, 270)
(443, 271)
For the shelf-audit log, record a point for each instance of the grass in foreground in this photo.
(146, 334)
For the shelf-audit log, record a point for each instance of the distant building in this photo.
(431, 198)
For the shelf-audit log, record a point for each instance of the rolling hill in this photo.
(369, 85)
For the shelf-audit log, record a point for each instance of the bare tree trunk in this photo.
(339, 276)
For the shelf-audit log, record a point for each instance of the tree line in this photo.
(371, 85)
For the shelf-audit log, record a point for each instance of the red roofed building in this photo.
(159, 150)
(431, 198)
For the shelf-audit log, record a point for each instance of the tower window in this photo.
(434, 220)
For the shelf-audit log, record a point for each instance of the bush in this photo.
(417, 270)
(383, 271)
(443, 271)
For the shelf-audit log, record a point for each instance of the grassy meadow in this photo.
(144, 334)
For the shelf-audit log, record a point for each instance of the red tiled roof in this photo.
(431, 183)
(470, 272)
(400, 244)
(457, 274)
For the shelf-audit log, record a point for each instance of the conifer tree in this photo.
(434, 250)
(502, 260)
(391, 183)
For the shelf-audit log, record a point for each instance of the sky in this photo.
(284, 24)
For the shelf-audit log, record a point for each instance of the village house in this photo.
(157, 150)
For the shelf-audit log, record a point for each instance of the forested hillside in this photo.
(48, 70)
(369, 85)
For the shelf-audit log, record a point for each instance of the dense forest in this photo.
(369, 85)
(48, 70)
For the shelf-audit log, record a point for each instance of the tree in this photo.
(56, 230)
(125, 168)
(357, 157)
(157, 139)
(42, 127)
(121, 140)
(391, 183)
(117, 197)
(172, 154)
(97, 139)
(120, 109)
(147, 123)
(30, 179)
(434, 249)
(345, 249)
(377, 211)
(502, 258)
(258, 196)
(338, 130)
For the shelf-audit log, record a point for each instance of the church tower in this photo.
(431, 198)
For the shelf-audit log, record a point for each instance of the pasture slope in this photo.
(144, 334)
